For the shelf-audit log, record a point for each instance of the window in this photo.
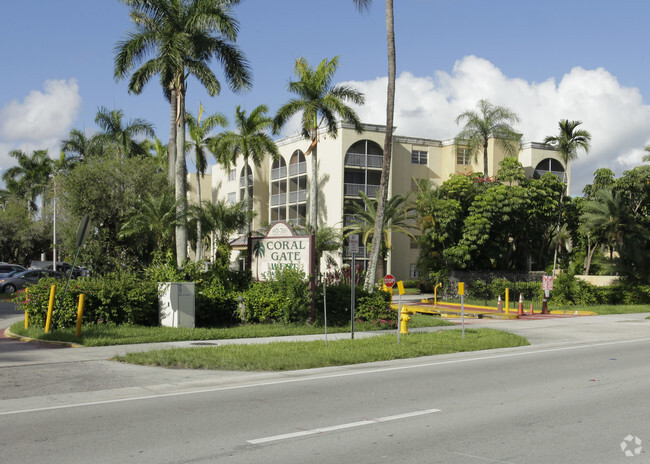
(463, 156)
(414, 243)
(232, 174)
(414, 271)
(419, 157)
(232, 198)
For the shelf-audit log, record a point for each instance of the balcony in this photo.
(298, 197)
(297, 169)
(242, 181)
(278, 199)
(559, 174)
(352, 190)
(279, 173)
(363, 160)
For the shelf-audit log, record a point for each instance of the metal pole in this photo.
(462, 312)
(399, 317)
(325, 312)
(352, 291)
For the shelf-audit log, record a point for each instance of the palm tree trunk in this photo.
(388, 144)
(313, 186)
(247, 198)
(171, 146)
(199, 244)
(181, 180)
(485, 159)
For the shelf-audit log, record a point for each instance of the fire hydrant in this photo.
(403, 325)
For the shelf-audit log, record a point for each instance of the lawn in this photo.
(284, 356)
(103, 335)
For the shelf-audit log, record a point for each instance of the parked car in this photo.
(23, 279)
(6, 268)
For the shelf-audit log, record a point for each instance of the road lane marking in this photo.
(324, 377)
(335, 428)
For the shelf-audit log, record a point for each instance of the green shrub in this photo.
(375, 308)
(215, 307)
(285, 298)
(339, 297)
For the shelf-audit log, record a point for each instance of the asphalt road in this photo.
(572, 397)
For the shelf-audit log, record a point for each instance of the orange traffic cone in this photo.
(499, 305)
(521, 304)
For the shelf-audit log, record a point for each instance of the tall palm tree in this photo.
(122, 135)
(199, 136)
(250, 141)
(568, 141)
(182, 37)
(79, 147)
(154, 217)
(29, 179)
(399, 217)
(319, 102)
(488, 122)
(388, 141)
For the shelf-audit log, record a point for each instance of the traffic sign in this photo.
(389, 280)
(547, 282)
(354, 243)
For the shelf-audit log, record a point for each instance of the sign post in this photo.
(461, 292)
(354, 249)
(547, 286)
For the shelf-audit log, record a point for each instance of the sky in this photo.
(548, 60)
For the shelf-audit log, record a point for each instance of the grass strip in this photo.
(105, 335)
(283, 356)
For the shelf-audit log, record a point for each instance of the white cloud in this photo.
(41, 120)
(616, 116)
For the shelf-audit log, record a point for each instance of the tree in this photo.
(199, 131)
(567, 142)
(320, 103)
(398, 217)
(647, 157)
(388, 142)
(249, 140)
(29, 179)
(220, 220)
(488, 122)
(121, 135)
(78, 147)
(183, 36)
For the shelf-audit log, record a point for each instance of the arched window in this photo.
(279, 190)
(242, 183)
(362, 169)
(297, 188)
(549, 165)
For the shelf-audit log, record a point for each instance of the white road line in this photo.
(325, 377)
(334, 428)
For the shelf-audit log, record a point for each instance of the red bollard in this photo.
(531, 310)
(500, 305)
(521, 305)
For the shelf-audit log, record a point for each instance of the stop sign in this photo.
(389, 280)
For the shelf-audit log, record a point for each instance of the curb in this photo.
(10, 334)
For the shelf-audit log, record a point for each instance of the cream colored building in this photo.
(351, 163)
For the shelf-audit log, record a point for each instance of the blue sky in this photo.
(575, 59)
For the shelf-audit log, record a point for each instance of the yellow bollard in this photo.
(26, 320)
(507, 301)
(26, 314)
(435, 295)
(50, 308)
(80, 313)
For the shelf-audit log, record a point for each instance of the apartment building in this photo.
(349, 164)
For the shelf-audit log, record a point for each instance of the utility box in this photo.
(176, 303)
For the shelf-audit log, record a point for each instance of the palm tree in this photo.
(220, 220)
(199, 131)
(249, 140)
(154, 217)
(388, 141)
(30, 177)
(567, 143)
(121, 135)
(183, 36)
(320, 103)
(399, 217)
(78, 147)
(647, 157)
(488, 122)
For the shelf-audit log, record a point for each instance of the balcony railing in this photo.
(352, 190)
(278, 199)
(559, 174)
(279, 173)
(297, 197)
(242, 181)
(297, 169)
(363, 160)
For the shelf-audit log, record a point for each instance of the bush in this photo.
(215, 307)
(285, 298)
(375, 308)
